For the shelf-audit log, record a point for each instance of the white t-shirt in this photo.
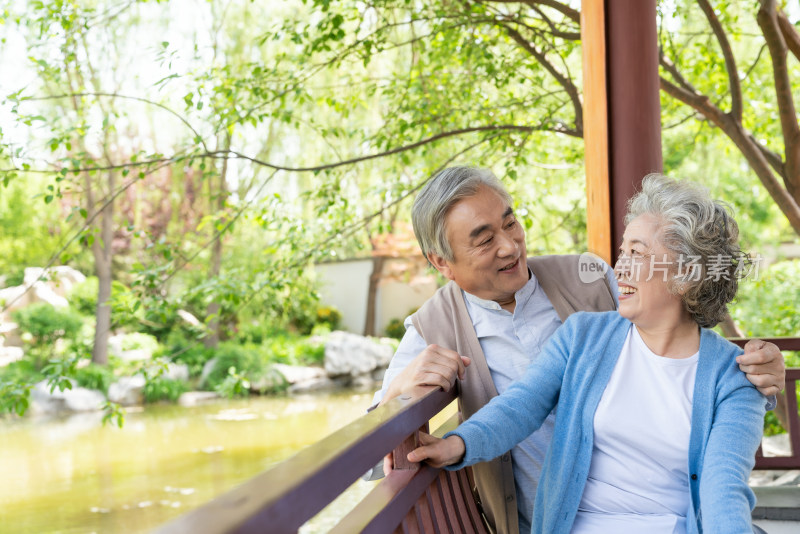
(638, 479)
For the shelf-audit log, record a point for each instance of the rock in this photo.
(354, 355)
(295, 373)
(10, 354)
(318, 384)
(128, 390)
(304, 379)
(44, 293)
(188, 318)
(777, 445)
(13, 298)
(208, 368)
(70, 400)
(377, 375)
(364, 382)
(788, 478)
(194, 398)
(10, 335)
(60, 280)
(177, 371)
(269, 382)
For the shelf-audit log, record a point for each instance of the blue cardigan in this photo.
(572, 372)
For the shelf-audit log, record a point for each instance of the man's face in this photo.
(488, 247)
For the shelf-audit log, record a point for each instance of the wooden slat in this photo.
(437, 510)
(286, 496)
(424, 513)
(460, 504)
(472, 508)
(446, 494)
(595, 128)
(387, 503)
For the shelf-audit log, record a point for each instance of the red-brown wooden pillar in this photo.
(622, 111)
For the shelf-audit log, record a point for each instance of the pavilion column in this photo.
(622, 111)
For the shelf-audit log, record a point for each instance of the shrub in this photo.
(329, 316)
(83, 297)
(161, 388)
(395, 329)
(137, 340)
(46, 323)
(294, 350)
(234, 385)
(180, 348)
(245, 360)
(93, 376)
(258, 332)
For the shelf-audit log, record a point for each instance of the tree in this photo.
(714, 85)
(330, 103)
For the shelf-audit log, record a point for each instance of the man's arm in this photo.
(764, 366)
(417, 367)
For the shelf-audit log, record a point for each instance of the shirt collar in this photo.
(522, 296)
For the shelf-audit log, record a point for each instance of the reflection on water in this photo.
(73, 475)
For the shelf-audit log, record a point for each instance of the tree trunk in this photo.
(101, 249)
(729, 328)
(213, 309)
(372, 294)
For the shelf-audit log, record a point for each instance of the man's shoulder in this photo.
(443, 297)
(434, 318)
(555, 260)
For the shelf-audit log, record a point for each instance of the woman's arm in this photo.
(511, 417)
(726, 500)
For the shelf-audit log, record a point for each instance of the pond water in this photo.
(74, 475)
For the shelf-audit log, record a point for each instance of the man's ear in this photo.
(441, 265)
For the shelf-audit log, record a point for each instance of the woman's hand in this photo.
(438, 452)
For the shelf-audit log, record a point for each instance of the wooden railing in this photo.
(792, 417)
(283, 498)
(412, 498)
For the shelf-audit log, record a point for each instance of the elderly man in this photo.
(493, 319)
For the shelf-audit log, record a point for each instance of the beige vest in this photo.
(443, 320)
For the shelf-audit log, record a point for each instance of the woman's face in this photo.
(643, 270)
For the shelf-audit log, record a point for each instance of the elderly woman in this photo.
(656, 428)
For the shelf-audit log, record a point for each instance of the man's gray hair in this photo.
(438, 197)
(697, 230)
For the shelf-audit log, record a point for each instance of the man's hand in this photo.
(763, 364)
(433, 367)
(438, 452)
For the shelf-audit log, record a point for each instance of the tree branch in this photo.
(773, 158)
(790, 34)
(669, 66)
(564, 9)
(753, 152)
(126, 97)
(730, 61)
(564, 81)
(768, 22)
